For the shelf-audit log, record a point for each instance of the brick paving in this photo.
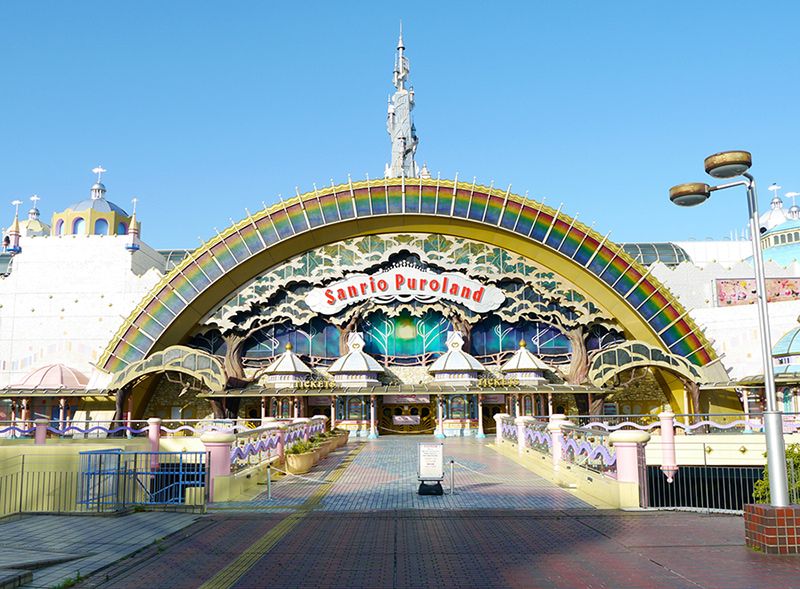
(58, 547)
(480, 548)
(383, 476)
(316, 543)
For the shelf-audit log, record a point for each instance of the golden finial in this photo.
(288, 347)
(522, 343)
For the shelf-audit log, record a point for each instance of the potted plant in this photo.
(300, 457)
(342, 436)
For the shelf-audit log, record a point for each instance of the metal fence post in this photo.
(705, 478)
(21, 480)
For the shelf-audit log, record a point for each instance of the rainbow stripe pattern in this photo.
(174, 294)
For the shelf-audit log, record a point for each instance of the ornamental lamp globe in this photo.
(728, 164)
(690, 194)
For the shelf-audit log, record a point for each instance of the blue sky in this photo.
(201, 109)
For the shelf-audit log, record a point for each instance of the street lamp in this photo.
(730, 164)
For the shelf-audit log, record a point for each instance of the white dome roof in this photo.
(455, 359)
(287, 363)
(54, 376)
(774, 216)
(524, 360)
(356, 360)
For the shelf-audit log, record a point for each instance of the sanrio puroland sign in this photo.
(405, 283)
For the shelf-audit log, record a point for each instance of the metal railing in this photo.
(112, 480)
(254, 447)
(537, 437)
(588, 448)
(508, 429)
(707, 487)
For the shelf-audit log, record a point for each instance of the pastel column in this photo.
(669, 464)
(631, 468)
(521, 422)
(517, 412)
(554, 427)
(498, 419)
(373, 432)
(154, 435)
(40, 435)
(439, 418)
(62, 413)
(218, 445)
(480, 433)
(263, 411)
(281, 447)
(129, 415)
(333, 412)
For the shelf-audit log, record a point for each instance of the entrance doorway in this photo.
(406, 414)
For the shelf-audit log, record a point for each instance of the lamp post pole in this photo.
(773, 419)
(731, 164)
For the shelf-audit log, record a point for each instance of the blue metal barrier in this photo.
(111, 480)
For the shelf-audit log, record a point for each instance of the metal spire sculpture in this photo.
(399, 123)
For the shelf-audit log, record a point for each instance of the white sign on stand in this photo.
(431, 461)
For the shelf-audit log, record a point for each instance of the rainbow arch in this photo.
(645, 308)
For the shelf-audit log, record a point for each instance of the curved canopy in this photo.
(645, 309)
(622, 357)
(198, 364)
(788, 345)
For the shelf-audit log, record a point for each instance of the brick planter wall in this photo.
(772, 529)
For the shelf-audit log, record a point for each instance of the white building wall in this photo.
(735, 336)
(695, 287)
(722, 252)
(66, 297)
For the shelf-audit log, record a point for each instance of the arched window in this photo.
(101, 227)
(60, 227)
(286, 409)
(122, 229)
(78, 226)
(527, 405)
(355, 408)
(788, 398)
(458, 407)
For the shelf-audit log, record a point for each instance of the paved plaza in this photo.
(52, 548)
(383, 475)
(356, 521)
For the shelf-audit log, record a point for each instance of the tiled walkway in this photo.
(383, 475)
(59, 547)
(458, 549)
(361, 524)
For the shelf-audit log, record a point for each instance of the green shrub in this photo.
(761, 488)
(301, 447)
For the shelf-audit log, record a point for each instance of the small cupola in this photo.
(526, 367)
(287, 371)
(456, 367)
(356, 368)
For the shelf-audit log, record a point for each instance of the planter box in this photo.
(300, 463)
